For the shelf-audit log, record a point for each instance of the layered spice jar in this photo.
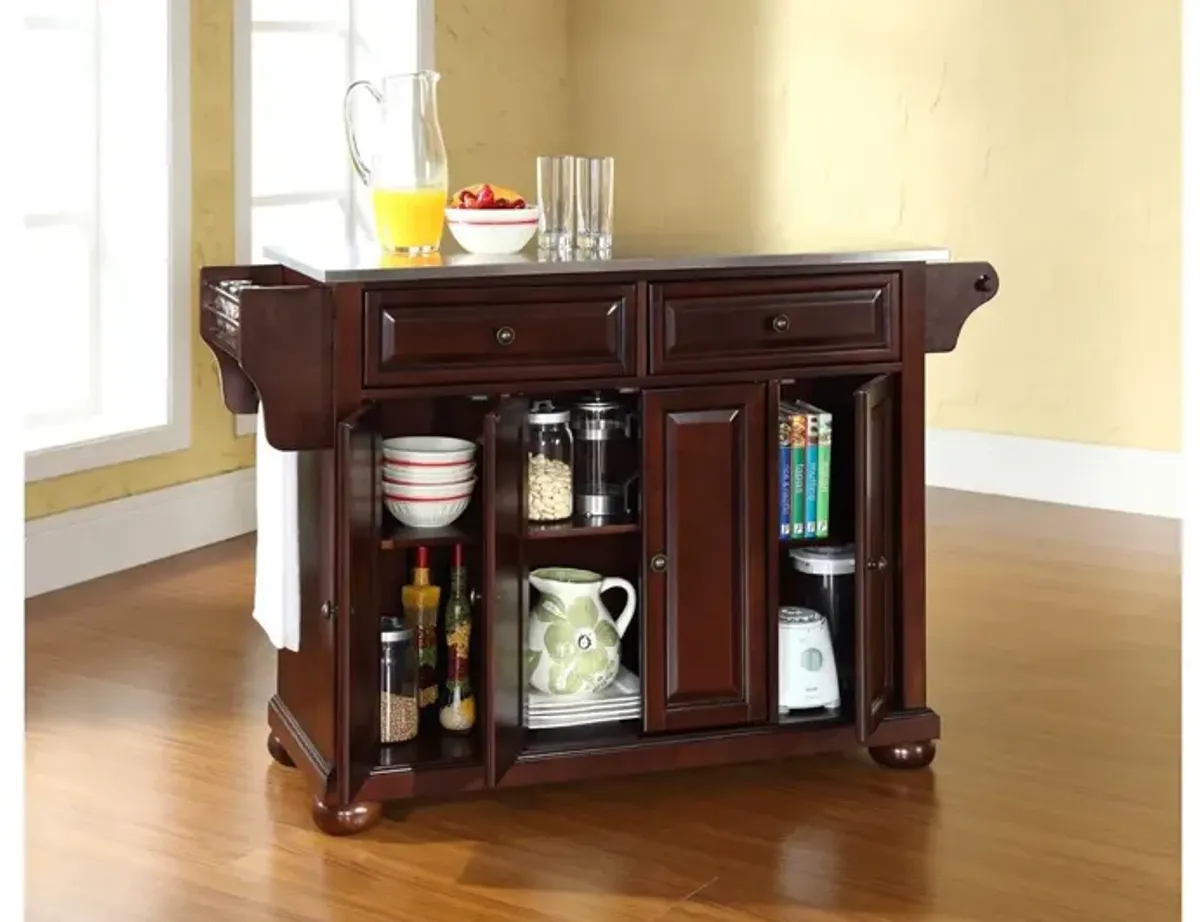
(420, 600)
(458, 699)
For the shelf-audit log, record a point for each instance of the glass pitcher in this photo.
(407, 173)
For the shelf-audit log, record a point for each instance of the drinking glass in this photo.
(594, 203)
(556, 201)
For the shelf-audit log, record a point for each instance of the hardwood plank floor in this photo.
(1054, 661)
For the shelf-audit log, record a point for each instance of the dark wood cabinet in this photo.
(705, 548)
(875, 499)
(774, 323)
(463, 334)
(705, 350)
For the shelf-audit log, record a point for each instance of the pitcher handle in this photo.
(361, 168)
(615, 582)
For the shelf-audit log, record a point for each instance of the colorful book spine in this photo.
(799, 471)
(811, 473)
(824, 451)
(785, 474)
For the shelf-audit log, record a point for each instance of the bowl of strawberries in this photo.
(491, 220)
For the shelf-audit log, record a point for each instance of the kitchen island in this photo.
(344, 348)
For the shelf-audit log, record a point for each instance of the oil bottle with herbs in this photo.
(458, 700)
(420, 599)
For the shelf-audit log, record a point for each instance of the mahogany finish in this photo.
(278, 752)
(707, 353)
(905, 755)
(345, 819)
(773, 323)
(510, 334)
(705, 550)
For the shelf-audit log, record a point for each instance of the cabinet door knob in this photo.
(879, 563)
(505, 336)
(780, 323)
(658, 563)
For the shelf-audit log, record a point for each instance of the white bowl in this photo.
(427, 451)
(427, 513)
(451, 473)
(493, 231)
(421, 491)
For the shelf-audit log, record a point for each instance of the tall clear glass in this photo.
(556, 202)
(407, 170)
(594, 204)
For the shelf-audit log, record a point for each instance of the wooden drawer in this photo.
(499, 334)
(774, 323)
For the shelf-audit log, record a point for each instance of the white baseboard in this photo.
(1099, 476)
(73, 547)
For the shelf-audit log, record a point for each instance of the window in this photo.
(294, 60)
(105, 219)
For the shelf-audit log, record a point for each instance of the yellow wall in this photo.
(503, 95)
(1042, 135)
(214, 449)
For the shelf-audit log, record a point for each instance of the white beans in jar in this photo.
(548, 489)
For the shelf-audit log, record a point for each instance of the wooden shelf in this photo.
(814, 717)
(576, 739)
(580, 528)
(433, 748)
(464, 531)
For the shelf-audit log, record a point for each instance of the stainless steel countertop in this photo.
(331, 261)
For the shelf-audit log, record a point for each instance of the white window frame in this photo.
(176, 434)
(244, 202)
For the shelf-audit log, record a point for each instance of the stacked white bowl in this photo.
(427, 480)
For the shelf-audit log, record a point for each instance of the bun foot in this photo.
(905, 755)
(345, 820)
(278, 753)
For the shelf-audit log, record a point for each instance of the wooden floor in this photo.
(1054, 661)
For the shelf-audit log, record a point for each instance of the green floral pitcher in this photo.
(572, 643)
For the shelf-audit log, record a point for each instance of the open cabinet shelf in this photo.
(402, 536)
(579, 528)
(433, 749)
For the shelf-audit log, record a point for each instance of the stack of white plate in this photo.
(622, 700)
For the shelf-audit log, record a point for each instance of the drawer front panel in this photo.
(476, 335)
(774, 323)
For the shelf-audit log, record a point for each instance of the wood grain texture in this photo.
(151, 794)
(703, 460)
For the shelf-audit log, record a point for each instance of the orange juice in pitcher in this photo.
(407, 173)
(409, 220)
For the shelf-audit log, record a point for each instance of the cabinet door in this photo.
(359, 515)
(504, 587)
(705, 534)
(874, 630)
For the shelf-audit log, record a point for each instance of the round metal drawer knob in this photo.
(780, 323)
(505, 336)
(658, 563)
(879, 563)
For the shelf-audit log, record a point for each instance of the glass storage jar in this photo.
(398, 708)
(550, 468)
(606, 462)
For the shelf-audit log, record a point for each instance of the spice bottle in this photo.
(420, 599)
(458, 700)
(397, 682)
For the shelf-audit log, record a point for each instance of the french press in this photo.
(605, 456)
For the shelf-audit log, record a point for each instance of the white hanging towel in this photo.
(277, 558)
